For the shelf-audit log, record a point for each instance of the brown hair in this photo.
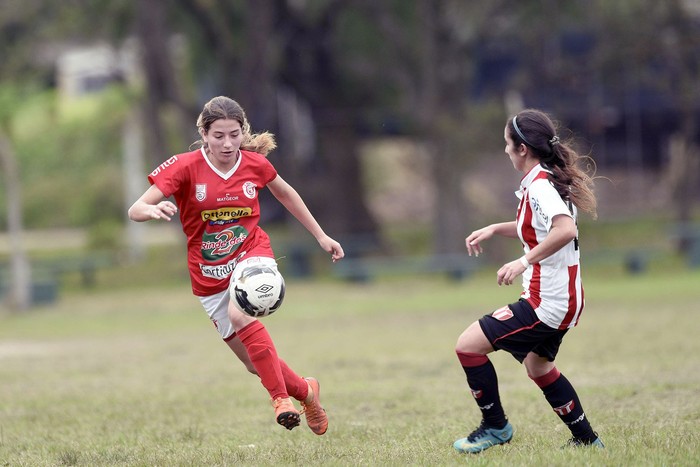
(223, 107)
(574, 183)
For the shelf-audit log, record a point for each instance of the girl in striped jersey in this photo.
(553, 187)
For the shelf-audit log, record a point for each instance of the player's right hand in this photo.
(163, 210)
(474, 239)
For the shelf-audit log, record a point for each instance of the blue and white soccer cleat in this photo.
(483, 438)
(576, 442)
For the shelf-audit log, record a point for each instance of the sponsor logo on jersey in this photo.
(225, 215)
(566, 408)
(503, 314)
(249, 190)
(220, 271)
(228, 197)
(538, 209)
(164, 165)
(200, 191)
(218, 245)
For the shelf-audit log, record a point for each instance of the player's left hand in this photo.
(332, 247)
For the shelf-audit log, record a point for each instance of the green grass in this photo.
(137, 376)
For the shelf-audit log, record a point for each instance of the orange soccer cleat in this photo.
(316, 416)
(287, 415)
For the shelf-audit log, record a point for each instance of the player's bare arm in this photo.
(504, 229)
(563, 231)
(291, 200)
(152, 205)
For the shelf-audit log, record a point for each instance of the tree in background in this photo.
(163, 92)
(339, 72)
(455, 128)
(681, 46)
(20, 272)
(629, 66)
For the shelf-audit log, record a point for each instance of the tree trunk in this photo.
(259, 98)
(339, 198)
(20, 273)
(134, 181)
(439, 111)
(683, 174)
(450, 209)
(329, 179)
(162, 90)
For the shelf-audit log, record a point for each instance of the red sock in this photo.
(263, 355)
(297, 387)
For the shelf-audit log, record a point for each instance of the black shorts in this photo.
(517, 330)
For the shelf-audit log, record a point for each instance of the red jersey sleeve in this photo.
(268, 170)
(168, 176)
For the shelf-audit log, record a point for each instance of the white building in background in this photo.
(82, 70)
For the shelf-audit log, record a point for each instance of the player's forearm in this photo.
(299, 210)
(558, 237)
(293, 202)
(506, 229)
(140, 212)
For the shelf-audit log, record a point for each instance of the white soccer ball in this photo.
(258, 291)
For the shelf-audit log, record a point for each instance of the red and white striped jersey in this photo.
(553, 286)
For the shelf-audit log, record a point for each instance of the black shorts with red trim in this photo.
(517, 330)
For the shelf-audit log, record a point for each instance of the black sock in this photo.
(562, 396)
(483, 383)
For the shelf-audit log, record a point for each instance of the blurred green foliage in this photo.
(436, 72)
(69, 156)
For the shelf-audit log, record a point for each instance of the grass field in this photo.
(139, 377)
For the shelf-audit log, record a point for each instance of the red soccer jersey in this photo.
(219, 213)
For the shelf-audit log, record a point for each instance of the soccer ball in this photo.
(258, 291)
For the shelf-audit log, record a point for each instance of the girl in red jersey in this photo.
(532, 329)
(216, 193)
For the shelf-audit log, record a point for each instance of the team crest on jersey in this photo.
(200, 191)
(249, 190)
(503, 314)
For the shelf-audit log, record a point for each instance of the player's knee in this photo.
(470, 340)
(539, 368)
(238, 319)
(462, 344)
